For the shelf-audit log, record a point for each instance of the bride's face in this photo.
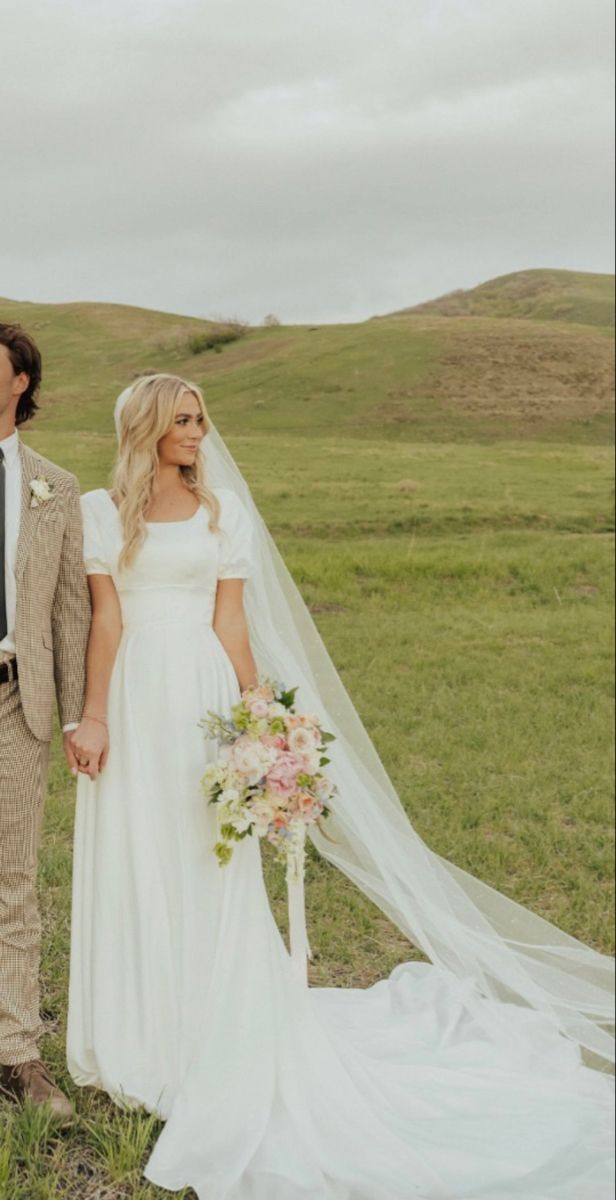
(180, 446)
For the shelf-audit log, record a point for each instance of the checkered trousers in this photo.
(23, 777)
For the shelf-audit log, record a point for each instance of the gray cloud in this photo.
(324, 161)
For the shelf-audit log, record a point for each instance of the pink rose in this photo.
(307, 808)
(282, 776)
(258, 708)
(275, 740)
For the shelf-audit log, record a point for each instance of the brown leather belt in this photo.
(8, 671)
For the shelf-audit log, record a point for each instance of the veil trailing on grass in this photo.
(460, 923)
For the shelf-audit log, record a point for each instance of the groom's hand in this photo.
(90, 745)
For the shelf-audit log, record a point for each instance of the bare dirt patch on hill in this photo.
(529, 374)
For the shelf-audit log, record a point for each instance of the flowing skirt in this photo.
(183, 1000)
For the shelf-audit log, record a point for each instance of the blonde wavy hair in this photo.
(147, 416)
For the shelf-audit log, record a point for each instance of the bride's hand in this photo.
(91, 746)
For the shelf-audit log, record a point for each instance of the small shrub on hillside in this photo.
(217, 337)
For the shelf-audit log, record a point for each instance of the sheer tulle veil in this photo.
(458, 922)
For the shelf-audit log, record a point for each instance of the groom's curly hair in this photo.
(25, 356)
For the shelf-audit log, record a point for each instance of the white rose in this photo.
(267, 754)
(246, 758)
(301, 742)
(242, 822)
(213, 774)
(251, 759)
(261, 814)
(325, 788)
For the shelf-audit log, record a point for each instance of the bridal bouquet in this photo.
(268, 779)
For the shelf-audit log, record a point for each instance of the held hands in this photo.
(87, 747)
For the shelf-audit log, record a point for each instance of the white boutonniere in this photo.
(41, 490)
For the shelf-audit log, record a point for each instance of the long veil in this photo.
(460, 923)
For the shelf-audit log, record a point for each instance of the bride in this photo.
(475, 1075)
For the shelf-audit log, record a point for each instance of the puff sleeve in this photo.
(95, 553)
(237, 551)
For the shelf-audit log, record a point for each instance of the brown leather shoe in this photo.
(32, 1081)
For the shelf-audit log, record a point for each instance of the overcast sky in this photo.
(322, 160)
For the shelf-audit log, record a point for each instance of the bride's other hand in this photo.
(91, 746)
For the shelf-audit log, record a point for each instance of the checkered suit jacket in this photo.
(53, 605)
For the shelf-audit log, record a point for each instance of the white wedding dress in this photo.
(182, 996)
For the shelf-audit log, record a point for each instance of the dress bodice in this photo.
(175, 574)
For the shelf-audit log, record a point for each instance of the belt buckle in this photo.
(11, 669)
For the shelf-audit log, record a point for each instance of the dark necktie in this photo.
(3, 621)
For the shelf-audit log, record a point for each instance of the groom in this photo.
(44, 623)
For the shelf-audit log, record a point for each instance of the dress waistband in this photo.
(167, 607)
(143, 621)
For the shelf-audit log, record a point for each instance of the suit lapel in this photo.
(29, 516)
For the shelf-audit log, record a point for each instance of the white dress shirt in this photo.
(12, 525)
(12, 512)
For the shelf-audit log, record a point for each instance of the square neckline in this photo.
(155, 524)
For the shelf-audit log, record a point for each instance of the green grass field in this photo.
(455, 544)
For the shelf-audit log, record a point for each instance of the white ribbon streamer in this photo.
(298, 934)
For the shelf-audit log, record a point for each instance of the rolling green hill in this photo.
(417, 376)
(580, 297)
